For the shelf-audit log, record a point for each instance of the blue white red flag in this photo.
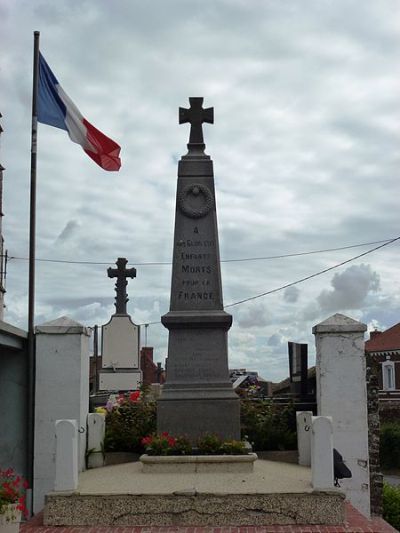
(55, 108)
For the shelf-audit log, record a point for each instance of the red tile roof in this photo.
(384, 341)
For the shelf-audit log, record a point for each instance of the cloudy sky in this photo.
(306, 149)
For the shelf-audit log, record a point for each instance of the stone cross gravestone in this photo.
(120, 338)
(197, 397)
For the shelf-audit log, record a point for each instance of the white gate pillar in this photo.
(342, 394)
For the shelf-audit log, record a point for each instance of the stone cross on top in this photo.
(196, 115)
(121, 273)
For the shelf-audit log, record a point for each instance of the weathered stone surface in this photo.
(197, 396)
(194, 509)
(120, 343)
(198, 463)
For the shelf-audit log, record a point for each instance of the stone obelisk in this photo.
(197, 397)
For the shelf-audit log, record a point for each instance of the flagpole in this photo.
(31, 293)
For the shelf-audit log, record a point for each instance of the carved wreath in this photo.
(195, 189)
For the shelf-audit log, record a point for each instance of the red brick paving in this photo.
(355, 522)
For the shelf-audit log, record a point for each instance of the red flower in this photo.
(134, 396)
(147, 440)
(171, 441)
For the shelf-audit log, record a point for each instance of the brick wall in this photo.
(375, 474)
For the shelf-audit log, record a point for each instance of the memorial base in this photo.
(196, 417)
(190, 464)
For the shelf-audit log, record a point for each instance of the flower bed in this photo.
(208, 444)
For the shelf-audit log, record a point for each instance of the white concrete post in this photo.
(342, 394)
(303, 423)
(62, 392)
(96, 425)
(66, 455)
(322, 452)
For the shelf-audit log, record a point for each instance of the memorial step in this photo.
(124, 495)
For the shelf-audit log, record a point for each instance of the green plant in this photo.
(269, 426)
(183, 446)
(233, 447)
(391, 505)
(127, 422)
(12, 491)
(390, 445)
(209, 444)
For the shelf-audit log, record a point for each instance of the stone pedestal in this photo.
(197, 397)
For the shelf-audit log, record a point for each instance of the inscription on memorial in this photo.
(197, 365)
(197, 269)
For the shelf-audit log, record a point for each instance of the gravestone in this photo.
(120, 338)
(197, 396)
(298, 368)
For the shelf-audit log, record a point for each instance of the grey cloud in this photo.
(350, 288)
(291, 294)
(275, 340)
(68, 231)
(254, 315)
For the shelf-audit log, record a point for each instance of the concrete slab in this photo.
(128, 478)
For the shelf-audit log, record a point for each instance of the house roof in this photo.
(385, 340)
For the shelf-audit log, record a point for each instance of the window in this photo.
(388, 375)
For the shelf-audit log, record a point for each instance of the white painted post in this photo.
(96, 425)
(342, 394)
(62, 392)
(322, 453)
(303, 422)
(66, 455)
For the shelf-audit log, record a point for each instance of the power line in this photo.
(158, 263)
(312, 275)
(386, 243)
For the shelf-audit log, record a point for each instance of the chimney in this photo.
(374, 334)
(147, 352)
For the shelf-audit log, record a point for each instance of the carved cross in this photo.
(196, 115)
(121, 273)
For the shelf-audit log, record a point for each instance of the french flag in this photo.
(55, 108)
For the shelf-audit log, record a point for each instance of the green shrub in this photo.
(390, 445)
(269, 426)
(127, 424)
(209, 444)
(391, 505)
(233, 447)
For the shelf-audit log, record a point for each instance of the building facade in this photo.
(383, 354)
